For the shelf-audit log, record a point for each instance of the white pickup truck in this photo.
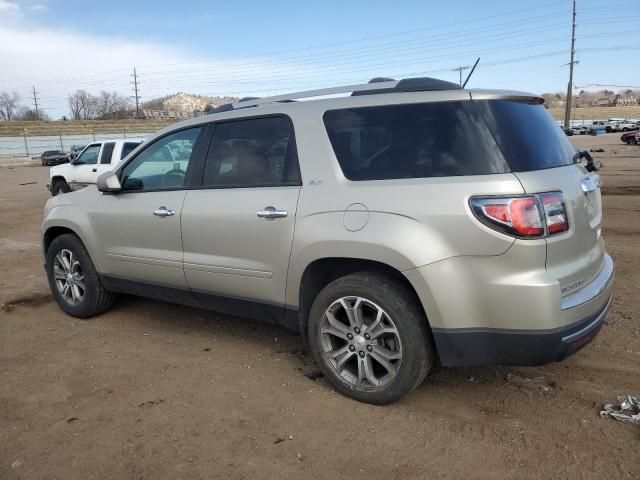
(96, 158)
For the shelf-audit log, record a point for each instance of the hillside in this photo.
(186, 102)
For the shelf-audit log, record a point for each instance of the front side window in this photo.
(252, 153)
(89, 156)
(421, 140)
(107, 152)
(163, 164)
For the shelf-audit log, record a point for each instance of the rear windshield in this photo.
(437, 139)
(528, 136)
(444, 139)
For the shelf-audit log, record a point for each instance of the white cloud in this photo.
(59, 62)
(38, 7)
(8, 8)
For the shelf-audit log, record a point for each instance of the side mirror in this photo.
(109, 182)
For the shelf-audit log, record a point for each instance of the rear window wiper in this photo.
(592, 165)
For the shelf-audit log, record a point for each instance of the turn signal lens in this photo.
(554, 212)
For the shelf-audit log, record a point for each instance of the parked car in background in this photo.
(75, 150)
(575, 131)
(53, 157)
(629, 137)
(95, 158)
(433, 226)
(599, 125)
(628, 125)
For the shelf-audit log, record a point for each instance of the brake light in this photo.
(527, 216)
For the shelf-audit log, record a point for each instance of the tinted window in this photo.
(527, 134)
(89, 155)
(127, 148)
(107, 152)
(413, 141)
(163, 164)
(249, 153)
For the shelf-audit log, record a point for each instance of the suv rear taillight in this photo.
(525, 216)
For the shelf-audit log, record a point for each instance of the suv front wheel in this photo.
(73, 279)
(369, 336)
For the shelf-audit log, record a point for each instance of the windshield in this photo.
(528, 136)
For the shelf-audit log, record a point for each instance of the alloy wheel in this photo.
(361, 343)
(69, 277)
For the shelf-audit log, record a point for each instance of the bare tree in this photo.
(8, 105)
(29, 114)
(82, 105)
(112, 105)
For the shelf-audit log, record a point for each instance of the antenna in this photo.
(473, 69)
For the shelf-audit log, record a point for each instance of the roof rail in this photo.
(373, 87)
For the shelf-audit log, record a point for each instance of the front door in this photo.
(237, 230)
(85, 167)
(138, 228)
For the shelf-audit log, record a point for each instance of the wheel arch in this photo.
(53, 228)
(322, 271)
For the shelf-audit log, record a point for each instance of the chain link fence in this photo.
(33, 146)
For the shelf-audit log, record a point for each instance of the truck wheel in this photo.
(370, 338)
(59, 186)
(73, 279)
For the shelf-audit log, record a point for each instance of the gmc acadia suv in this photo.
(410, 223)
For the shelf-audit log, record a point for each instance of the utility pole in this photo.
(567, 111)
(35, 102)
(460, 70)
(135, 90)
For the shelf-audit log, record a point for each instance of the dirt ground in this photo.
(154, 391)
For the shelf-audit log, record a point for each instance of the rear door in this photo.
(541, 157)
(237, 229)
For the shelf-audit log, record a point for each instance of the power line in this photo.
(35, 102)
(567, 112)
(135, 89)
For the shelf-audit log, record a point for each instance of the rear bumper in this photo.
(476, 328)
(484, 348)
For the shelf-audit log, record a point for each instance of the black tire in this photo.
(633, 141)
(96, 299)
(403, 308)
(59, 186)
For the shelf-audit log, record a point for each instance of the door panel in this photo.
(136, 244)
(230, 251)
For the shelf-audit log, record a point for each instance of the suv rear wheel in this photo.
(369, 336)
(73, 279)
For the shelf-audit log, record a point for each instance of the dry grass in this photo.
(78, 127)
(597, 113)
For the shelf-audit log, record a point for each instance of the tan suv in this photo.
(409, 223)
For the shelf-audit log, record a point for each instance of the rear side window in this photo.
(413, 141)
(528, 136)
(252, 153)
(107, 152)
(127, 148)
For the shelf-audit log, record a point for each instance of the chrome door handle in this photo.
(270, 213)
(164, 212)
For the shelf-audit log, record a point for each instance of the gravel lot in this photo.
(152, 390)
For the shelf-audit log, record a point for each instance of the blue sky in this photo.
(251, 47)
